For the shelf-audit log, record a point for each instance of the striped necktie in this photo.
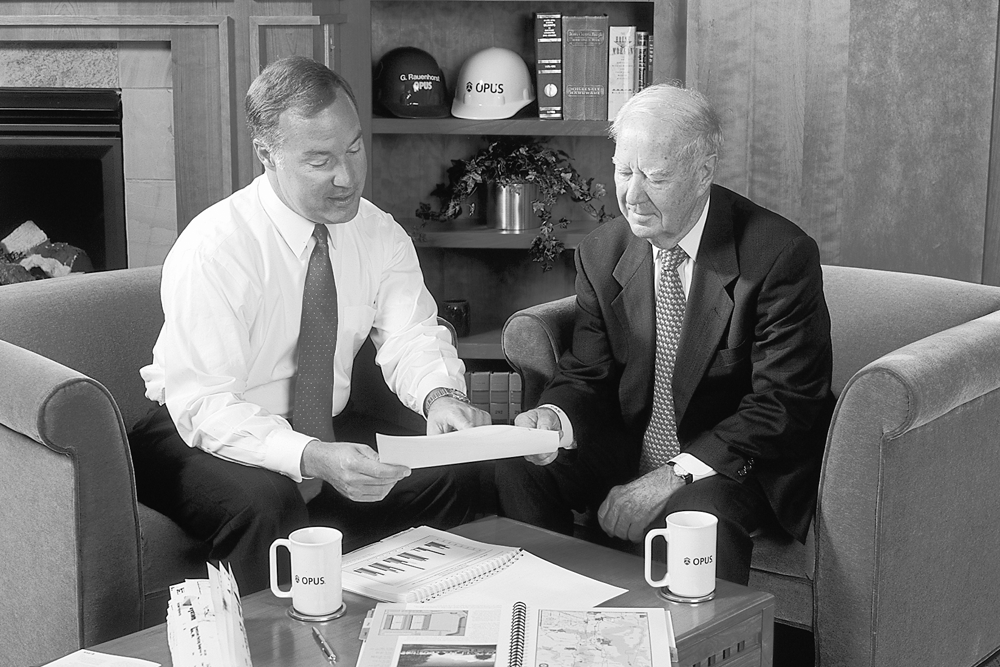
(660, 442)
(312, 412)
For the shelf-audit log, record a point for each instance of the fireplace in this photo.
(61, 167)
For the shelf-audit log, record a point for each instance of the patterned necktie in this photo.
(660, 442)
(312, 413)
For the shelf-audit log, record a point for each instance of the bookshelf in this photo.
(408, 157)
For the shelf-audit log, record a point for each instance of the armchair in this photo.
(901, 564)
(81, 561)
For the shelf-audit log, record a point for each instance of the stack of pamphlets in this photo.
(205, 622)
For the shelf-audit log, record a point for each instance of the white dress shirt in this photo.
(689, 244)
(232, 286)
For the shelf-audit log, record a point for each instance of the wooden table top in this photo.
(277, 640)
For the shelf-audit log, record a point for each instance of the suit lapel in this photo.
(709, 305)
(634, 306)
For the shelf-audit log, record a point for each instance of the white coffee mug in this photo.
(315, 552)
(690, 538)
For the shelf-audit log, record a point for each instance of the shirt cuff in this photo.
(283, 452)
(567, 441)
(693, 465)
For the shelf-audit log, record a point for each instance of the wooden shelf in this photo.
(485, 345)
(451, 235)
(507, 126)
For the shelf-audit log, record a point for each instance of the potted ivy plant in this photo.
(512, 160)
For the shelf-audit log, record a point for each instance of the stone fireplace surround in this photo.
(142, 70)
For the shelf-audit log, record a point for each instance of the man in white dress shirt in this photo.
(219, 453)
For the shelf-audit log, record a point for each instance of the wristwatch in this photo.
(440, 392)
(681, 472)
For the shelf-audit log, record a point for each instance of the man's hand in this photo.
(352, 469)
(630, 508)
(448, 414)
(540, 418)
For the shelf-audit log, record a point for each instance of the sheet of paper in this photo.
(86, 658)
(482, 443)
(537, 583)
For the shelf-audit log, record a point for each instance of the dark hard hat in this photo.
(409, 84)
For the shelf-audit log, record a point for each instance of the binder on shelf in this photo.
(479, 390)
(621, 66)
(548, 66)
(642, 52)
(585, 67)
(500, 397)
(514, 396)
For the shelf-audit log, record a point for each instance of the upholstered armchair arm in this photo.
(69, 516)
(533, 340)
(907, 542)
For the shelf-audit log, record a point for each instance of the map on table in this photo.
(617, 638)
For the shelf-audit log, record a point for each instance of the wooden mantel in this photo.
(216, 48)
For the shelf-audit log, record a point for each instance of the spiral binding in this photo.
(519, 619)
(465, 578)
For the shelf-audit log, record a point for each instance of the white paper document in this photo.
(537, 583)
(482, 443)
(87, 658)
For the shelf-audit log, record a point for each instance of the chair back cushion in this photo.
(875, 312)
(100, 324)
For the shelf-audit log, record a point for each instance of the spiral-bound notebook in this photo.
(423, 564)
(399, 635)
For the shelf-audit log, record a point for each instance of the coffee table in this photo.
(736, 628)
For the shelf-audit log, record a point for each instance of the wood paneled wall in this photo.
(868, 122)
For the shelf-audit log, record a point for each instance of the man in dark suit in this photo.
(698, 377)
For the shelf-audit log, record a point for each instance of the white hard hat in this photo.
(493, 83)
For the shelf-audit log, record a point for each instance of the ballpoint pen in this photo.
(328, 653)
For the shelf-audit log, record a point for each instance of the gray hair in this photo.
(686, 109)
(297, 83)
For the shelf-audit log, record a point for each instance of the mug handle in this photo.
(280, 542)
(664, 533)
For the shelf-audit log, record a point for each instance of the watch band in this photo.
(440, 392)
(681, 472)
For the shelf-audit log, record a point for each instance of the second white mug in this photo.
(691, 542)
(316, 557)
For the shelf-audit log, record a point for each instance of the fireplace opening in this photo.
(61, 168)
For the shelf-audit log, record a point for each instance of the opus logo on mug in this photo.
(316, 570)
(691, 541)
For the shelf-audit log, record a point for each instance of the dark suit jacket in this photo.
(752, 378)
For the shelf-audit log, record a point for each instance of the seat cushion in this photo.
(785, 567)
(169, 556)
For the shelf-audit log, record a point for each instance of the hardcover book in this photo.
(548, 65)
(642, 54)
(585, 67)
(621, 67)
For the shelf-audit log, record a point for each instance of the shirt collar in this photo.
(292, 227)
(692, 240)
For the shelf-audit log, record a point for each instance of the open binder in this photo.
(400, 635)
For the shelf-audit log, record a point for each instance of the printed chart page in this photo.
(420, 563)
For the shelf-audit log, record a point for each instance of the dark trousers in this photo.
(546, 496)
(239, 510)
